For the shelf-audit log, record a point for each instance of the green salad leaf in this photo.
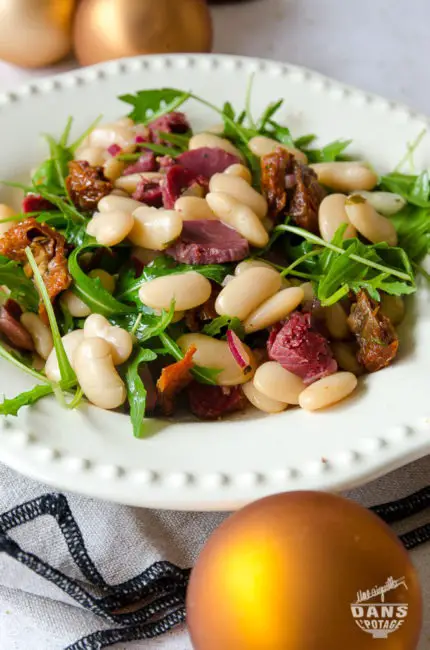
(334, 151)
(219, 326)
(27, 398)
(149, 105)
(415, 189)
(21, 287)
(90, 290)
(136, 390)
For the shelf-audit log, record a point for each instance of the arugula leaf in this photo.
(145, 326)
(22, 288)
(415, 189)
(69, 211)
(200, 373)
(280, 133)
(248, 112)
(217, 325)
(330, 153)
(90, 290)
(128, 286)
(12, 405)
(304, 140)
(136, 390)
(269, 112)
(179, 140)
(149, 105)
(66, 371)
(413, 230)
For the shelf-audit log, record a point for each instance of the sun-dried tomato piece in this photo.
(212, 402)
(291, 188)
(173, 379)
(274, 167)
(306, 197)
(49, 251)
(86, 185)
(377, 339)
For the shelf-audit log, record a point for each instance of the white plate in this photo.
(221, 465)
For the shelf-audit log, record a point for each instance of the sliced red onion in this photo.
(238, 351)
(290, 181)
(114, 149)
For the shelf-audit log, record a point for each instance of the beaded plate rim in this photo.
(369, 457)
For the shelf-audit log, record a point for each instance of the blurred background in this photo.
(379, 45)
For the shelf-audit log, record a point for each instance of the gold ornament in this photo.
(286, 572)
(111, 29)
(35, 33)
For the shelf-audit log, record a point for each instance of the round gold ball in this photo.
(285, 572)
(111, 29)
(35, 33)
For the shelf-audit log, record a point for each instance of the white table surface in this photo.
(379, 45)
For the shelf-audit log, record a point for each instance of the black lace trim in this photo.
(160, 590)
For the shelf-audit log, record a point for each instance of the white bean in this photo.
(345, 176)
(113, 168)
(308, 291)
(369, 223)
(276, 382)
(260, 146)
(108, 134)
(246, 292)
(6, 212)
(193, 208)
(110, 228)
(120, 340)
(238, 216)
(336, 321)
(113, 202)
(328, 391)
(261, 401)
(74, 305)
(331, 215)
(251, 264)
(155, 229)
(188, 290)
(106, 279)
(130, 182)
(239, 170)
(274, 309)
(70, 342)
(96, 373)
(39, 332)
(213, 353)
(346, 357)
(213, 142)
(393, 307)
(386, 203)
(239, 189)
(94, 156)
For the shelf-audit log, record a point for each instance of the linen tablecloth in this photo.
(379, 45)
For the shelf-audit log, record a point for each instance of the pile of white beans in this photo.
(257, 294)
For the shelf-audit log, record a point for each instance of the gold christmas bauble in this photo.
(111, 29)
(304, 571)
(35, 33)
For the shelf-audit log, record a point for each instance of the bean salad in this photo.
(152, 269)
